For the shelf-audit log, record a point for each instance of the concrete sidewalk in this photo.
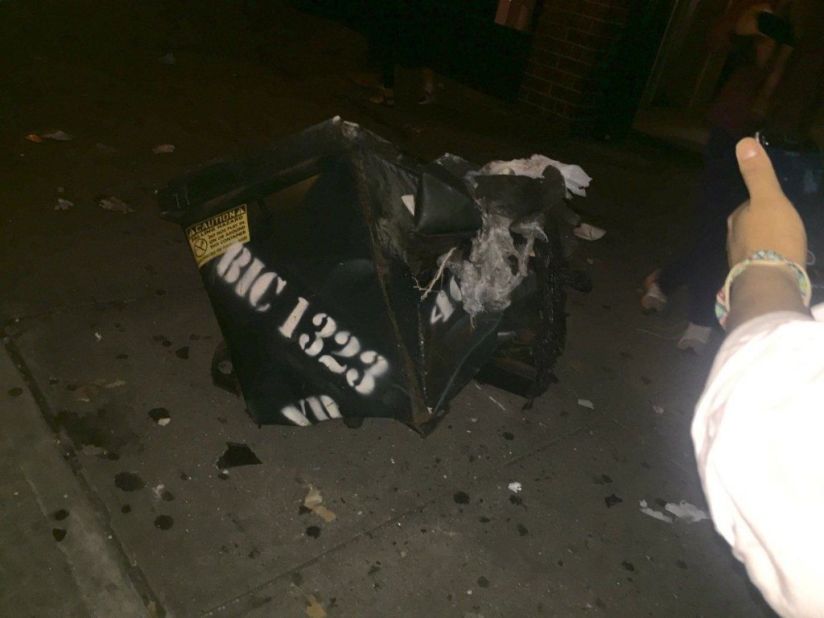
(106, 318)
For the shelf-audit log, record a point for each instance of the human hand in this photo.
(767, 220)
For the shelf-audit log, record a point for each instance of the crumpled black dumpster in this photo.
(351, 281)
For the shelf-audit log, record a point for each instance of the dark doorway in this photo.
(462, 38)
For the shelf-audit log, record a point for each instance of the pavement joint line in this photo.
(396, 518)
(554, 442)
(134, 572)
(314, 559)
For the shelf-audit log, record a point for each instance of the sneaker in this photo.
(653, 300)
(695, 338)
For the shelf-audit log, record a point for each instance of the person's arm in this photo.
(759, 424)
(768, 221)
(764, 289)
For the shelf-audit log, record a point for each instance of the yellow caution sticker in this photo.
(213, 236)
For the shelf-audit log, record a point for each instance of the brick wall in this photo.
(573, 39)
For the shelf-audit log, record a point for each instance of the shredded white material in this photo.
(576, 179)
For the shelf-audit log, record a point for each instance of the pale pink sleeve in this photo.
(758, 433)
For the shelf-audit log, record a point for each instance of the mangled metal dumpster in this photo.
(350, 281)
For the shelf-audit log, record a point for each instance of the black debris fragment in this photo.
(461, 497)
(237, 455)
(164, 522)
(611, 500)
(160, 416)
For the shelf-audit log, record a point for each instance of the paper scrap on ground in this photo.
(515, 487)
(658, 409)
(58, 136)
(164, 149)
(313, 608)
(34, 138)
(586, 403)
(575, 178)
(686, 511)
(114, 204)
(63, 204)
(497, 403)
(314, 502)
(585, 231)
(653, 513)
(409, 202)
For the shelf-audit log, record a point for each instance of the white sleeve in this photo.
(758, 433)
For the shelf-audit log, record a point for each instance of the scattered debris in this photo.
(86, 392)
(63, 204)
(611, 500)
(658, 409)
(575, 178)
(57, 136)
(646, 510)
(515, 487)
(686, 511)
(314, 502)
(313, 608)
(683, 510)
(495, 266)
(98, 336)
(164, 149)
(158, 491)
(461, 497)
(586, 403)
(409, 202)
(109, 202)
(585, 231)
(115, 384)
(160, 416)
(497, 403)
(237, 455)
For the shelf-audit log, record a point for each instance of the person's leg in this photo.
(713, 185)
(428, 79)
(723, 191)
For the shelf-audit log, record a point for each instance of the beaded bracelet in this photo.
(764, 257)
